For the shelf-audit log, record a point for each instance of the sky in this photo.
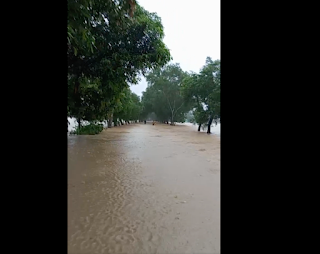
(192, 32)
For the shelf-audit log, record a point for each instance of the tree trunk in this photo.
(110, 122)
(77, 100)
(199, 127)
(209, 128)
(172, 123)
(209, 124)
(121, 122)
(79, 123)
(115, 122)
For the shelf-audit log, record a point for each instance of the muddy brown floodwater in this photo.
(144, 189)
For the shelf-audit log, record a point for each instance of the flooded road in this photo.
(144, 189)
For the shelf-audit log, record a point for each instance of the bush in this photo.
(90, 129)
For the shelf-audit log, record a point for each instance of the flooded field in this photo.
(144, 189)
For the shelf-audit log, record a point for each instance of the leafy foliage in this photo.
(163, 94)
(128, 107)
(108, 44)
(84, 15)
(90, 129)
(203, 91)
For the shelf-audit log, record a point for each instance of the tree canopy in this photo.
(203, 91)
(128, 107)
(109, 43)
(163, 94)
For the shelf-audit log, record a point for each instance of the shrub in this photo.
(90, 129)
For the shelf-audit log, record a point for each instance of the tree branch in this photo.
(178, 109)
(167, 100)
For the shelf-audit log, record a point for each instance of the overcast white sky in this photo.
(192, 32)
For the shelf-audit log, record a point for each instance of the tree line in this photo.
(109, 44)
(172, 93)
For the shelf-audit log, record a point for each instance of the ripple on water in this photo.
(119, 208)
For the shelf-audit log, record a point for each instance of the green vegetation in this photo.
(172, 93)
(109, 43)
(128, 108)
(90, 129)
(163, 94)
(203, 92)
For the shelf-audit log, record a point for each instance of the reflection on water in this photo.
(144, 189)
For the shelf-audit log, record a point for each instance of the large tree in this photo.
(203, 91)
(163, 94)
(107, 49)
(85, 15)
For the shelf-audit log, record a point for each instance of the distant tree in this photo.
(163, 94)
(128, 107)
